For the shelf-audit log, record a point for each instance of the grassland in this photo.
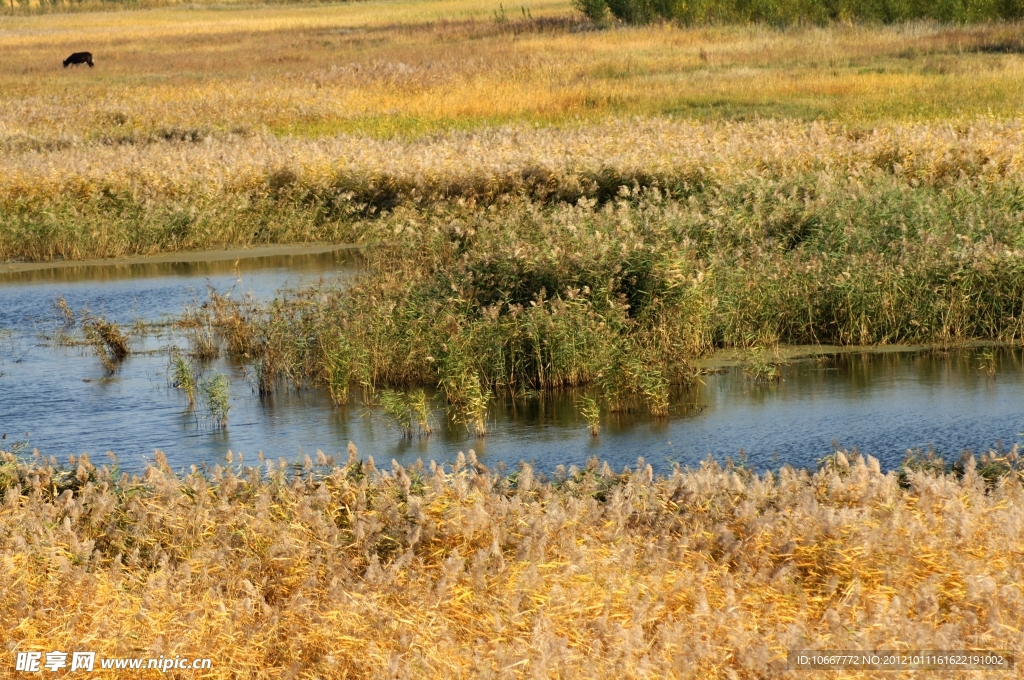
(458, 571)
(239, 126)
(418, 67)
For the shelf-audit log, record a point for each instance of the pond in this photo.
(56, 396)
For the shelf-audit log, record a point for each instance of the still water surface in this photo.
(58, 399)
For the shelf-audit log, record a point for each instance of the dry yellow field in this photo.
(459, 572)
(411, 67)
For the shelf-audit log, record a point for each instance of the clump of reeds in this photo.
(395, 406)
(469, 400)
(591, 412)
(988, 362)
(216, 392)
(183, 377)
(67, 315)
(202, 343)
(419, 407)
(626, 297)
(425, 571)
(760, 368)
(107, 339)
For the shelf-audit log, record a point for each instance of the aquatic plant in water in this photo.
(591, 412)
(396, 407)
(760, 368)
(108, 341)
(407, 409)
(183, 376)
(216, 393)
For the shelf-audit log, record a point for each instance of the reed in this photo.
(396, 407)
(988, 362)
(419, 407)
(202, 343)
(67, 315)
(627, 294)
(215, 390)
(591, 412)
(760, 368)
(183, 377)
(110, 343)
(350, 570)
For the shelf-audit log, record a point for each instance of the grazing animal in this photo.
(79, 58)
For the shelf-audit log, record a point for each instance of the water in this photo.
(59, 400)
(154, 291)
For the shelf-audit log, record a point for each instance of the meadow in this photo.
(343, 570)
(416, 67)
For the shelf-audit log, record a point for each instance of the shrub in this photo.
(788, 12)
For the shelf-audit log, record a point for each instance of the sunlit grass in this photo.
(109, 200)
(459, 571)
(413, 68)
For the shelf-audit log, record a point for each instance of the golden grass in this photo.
(95, 199)
(405, 67)
(349, 571)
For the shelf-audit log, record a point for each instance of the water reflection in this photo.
(881, 403)
(151, 291)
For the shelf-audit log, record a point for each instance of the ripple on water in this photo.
(882, 404)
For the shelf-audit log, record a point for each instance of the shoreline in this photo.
(783, 354)
(181, 257)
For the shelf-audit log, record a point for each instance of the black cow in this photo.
(79, 58)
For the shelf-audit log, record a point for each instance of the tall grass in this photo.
(346, 570)
(106, 162)
(183, 376)
(215, 390)
(103, 201)
(591, 412)
(409, 411)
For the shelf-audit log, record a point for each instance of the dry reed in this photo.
(350, 571)
(108, 201)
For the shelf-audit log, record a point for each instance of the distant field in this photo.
(388, 68)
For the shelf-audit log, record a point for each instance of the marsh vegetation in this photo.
(626, 293)
(339, 569)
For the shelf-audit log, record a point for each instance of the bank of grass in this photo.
(207, 127)
(97, 200)
(346, 570)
